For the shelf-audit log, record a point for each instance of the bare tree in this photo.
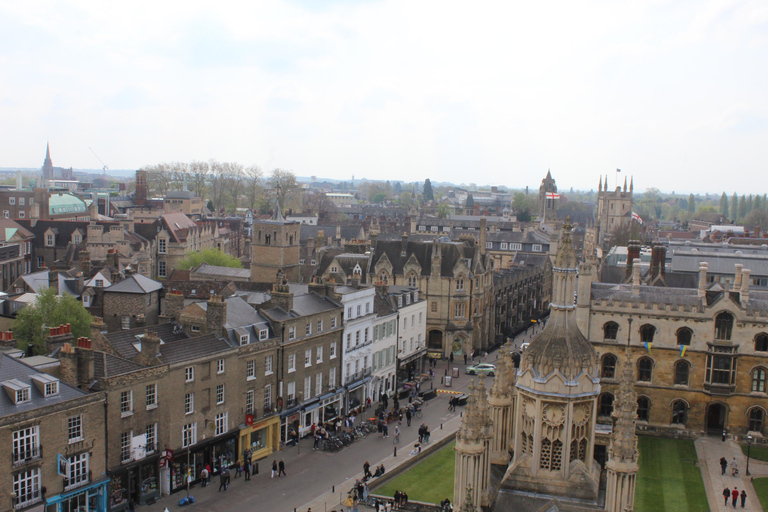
(159, 177)
(198, 177)
(284, 182)
(253, 186)
(233, 181)
(217, 177)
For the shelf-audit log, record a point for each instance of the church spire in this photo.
(631, 184)
(600, 186)
(625, 183)
(278, 216)
(47, 152)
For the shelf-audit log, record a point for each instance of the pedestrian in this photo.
(396, 497)
(465, 358)
(247, 468)
(723, 464)
(238, 468)
(274, 468)
(367, 470)
(743, 498)
(386, 430)
(451, 357)
(735, 496)
(223, 479)
(426, 434)
(355, 504)
(366, 491)
(281, 465)
(726, 495)
(204, 477)
(348, 502)
(421, 433)
(316, 444)
(408, 416)
(734, 467)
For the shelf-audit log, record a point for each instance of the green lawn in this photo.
(668, 479)
(756, 452)
(430, 481)
(761, 488)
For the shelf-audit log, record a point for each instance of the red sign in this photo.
(249, 419)
(168, 455)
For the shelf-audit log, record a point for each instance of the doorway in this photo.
(716, 417)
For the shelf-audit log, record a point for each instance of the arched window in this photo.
(646, 333)
(682, 369)
(383, 277)
(412, 279)
(645, 369)
(758, 379)
(684, 336)
(679, 413)
(460, 283)
(606, 404)
(608, 367)
(761, 342)
(756, 419)
(643, 408)
(610, 331)
(723, 326)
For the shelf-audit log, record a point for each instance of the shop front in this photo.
(330, 408)
(411, 367)
(322, 409)
(138, 481)
(261, 438)
(216, 453)
(90, 498)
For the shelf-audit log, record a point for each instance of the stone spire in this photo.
(631, 184)
(600, 186)
(501, 404)
(505, 373)
(473, 465)
(625, 183)
(278, 215)
(471, 429)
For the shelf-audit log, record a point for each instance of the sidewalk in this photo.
(709, 450)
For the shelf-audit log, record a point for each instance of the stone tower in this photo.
(501, 402)
(622, 451)
(473, 465)
(275, 247)
(614, 210)
(548, 199)
(557, 389)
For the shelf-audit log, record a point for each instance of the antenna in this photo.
(104, 168)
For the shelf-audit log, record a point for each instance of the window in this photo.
(161, 269)
(606, 404)
(758, 380)
(357, 338)
(244, 339)
(332, 378)
(761, 342)
(646, 333)
(220, 394)
(319, 326)
(126, 403)
(291, 392)
(489, 245)
(434, 307)
(151, 431)
(161, 245)
(684, 336)
(189, 403)
(358, 310)
(220, 366)
(26, 444)
(250, 401)
(22, 200)
(682, 369)
(308, 357)
(308, 329)
(433, 228)
(100, 283)
(536, 248)
(189, 374)
(292, 333)
(250, 369)
(610, 331)
(22, 214)
(756, 418)
(459, 283)
(188, 435)
(268, 365)
(125, 447)
(75, 427)
(411, 279)
(643, 408)
(504, 246)
(365, 335)
(26, 487)
(307, 388)
(319, 384)
(268, 397)
(679, 413)
(723, 326)
(151, 396)
(644, 369)
(349, 312)
(125, 322)
(721, 367)
(221, 421)
(460, 310)
(292, 362)
(78, 471)
(333, 323)
(609, 367)
(332, 351)
(319, 352)
(516, 247)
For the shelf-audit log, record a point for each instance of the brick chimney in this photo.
(85, 262)
(216, 314)
(318, 286)
(745, 285)
(150, 348)
(174, 303)
(7, 340)
(633, 253)
(636, 277)
(53, 280)
(281, 294)
(658, 258)
(68, 367)
(57, 336)
(85, 362)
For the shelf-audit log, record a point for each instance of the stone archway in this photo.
(435, 340)
(716, 415)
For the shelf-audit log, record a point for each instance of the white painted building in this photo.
(384, 347)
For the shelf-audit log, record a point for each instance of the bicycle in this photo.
(396, 438)
(417, 413)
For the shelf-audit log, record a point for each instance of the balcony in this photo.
(359, 375)
(84, 480)
(30, 455)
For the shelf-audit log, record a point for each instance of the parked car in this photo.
(487, 369)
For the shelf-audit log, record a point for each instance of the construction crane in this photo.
(103, 169)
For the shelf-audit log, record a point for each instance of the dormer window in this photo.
(334, 270)
(49, 240)
(22, 396)
(162, 245)
(263, 334)
(18, 391)
(48, 385)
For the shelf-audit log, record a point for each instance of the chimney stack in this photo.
(703, 278)
(483, 235)
(85, 361)
(85, 263)
(636, 277)
(150, 348)
(658, 259)
(53, 280)
(633, 253)
(174, 303)
(281, 293)
(745, 285)
(404, 245)
(737, 278)
(216, 314)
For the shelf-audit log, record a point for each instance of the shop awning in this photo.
(63, 496)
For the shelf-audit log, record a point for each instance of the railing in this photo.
(84, 479)
(23, 456)
(359, 375)
(291, 402)
(268, 409)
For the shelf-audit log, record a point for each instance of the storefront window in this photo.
(118, 490)
(259, 439)
(148, 479)
(87, 500)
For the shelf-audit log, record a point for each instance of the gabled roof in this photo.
(451, 253)
(135, 284)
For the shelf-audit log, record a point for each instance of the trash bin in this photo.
(448, 381)
(455, 373)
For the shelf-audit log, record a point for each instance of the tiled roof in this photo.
(136, 283)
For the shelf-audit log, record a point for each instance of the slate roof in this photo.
(192, 348)
(755, 260)
(123, 341)
(205, 269)
(63, 228)
(136, 283)
(451, 253)
(12, 368)
(106, 365)
(347, 232)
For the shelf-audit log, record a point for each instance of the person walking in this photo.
(204, 477)
(348, 502)
(734, 467)
(743, 498)
(465, 358)
(451, 357)
(281, 465)
(426, 434)
(726, 495)
(367, 470)
(274, 468)
(723, 464)
(247, 468)
(238, 468)
(408, 415)
(735, 496)
(223, 479)
(421, 433)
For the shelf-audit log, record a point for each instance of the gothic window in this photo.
(761, 342)
(524, 443)
(412, 279)
(545, 460)
(758, 380)
(721, 366)
(266, 239)
(460, 283)
(682, 369)
(679, 413)
(574, 450)
(646, 333)
(684, 336)
(608, 367)
(583, 450)
(756, 419)
(610, 331)
(383, 278)
(645, 369)
(723, 326)
(643, 408)
(557, 455)
(606, 404)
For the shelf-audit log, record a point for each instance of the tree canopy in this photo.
(428, 194)
(49, 310)
(210, 256)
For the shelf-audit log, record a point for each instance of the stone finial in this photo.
(623, 442)
(469, 504)
(471, 422)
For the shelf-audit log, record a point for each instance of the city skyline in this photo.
(390, 90)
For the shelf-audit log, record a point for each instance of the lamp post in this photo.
(749, 445)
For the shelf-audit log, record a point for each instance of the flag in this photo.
(637, 218)
(618, 170)
(648, 346)
(553, 195)
(683, 348)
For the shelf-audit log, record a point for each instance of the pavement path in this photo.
(709, 450)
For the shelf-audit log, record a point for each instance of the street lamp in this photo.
(749, 445)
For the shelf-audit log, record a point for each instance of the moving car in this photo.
(487, 369)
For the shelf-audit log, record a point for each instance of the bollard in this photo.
(333, 488)
(446, 371)
(441, 426)
(461, 415)
(395, 451)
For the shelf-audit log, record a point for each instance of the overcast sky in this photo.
(674, 93)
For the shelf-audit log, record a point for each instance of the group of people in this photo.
(278, 468)
(401, 498)
(367, 471)
(424, 433)
(734, 496)
(734, 466)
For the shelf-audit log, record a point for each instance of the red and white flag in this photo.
(553, 195)
(637, 217)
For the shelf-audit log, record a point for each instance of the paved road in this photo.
(311, 474)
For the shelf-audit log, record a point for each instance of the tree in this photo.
(198, 176)
(470, 202)
(524, 206)
(742, 207)
(734, 207)
(284, 182)
(253, 186)
(724, 205)
(210, 256)
(49, 310)
(757, 218)
(691, 204)
(233, 181)
(443, 210)
(428, 194)
(758, 204)
(398, 188)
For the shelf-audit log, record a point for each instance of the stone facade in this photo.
(130, 310)
(275, 247)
